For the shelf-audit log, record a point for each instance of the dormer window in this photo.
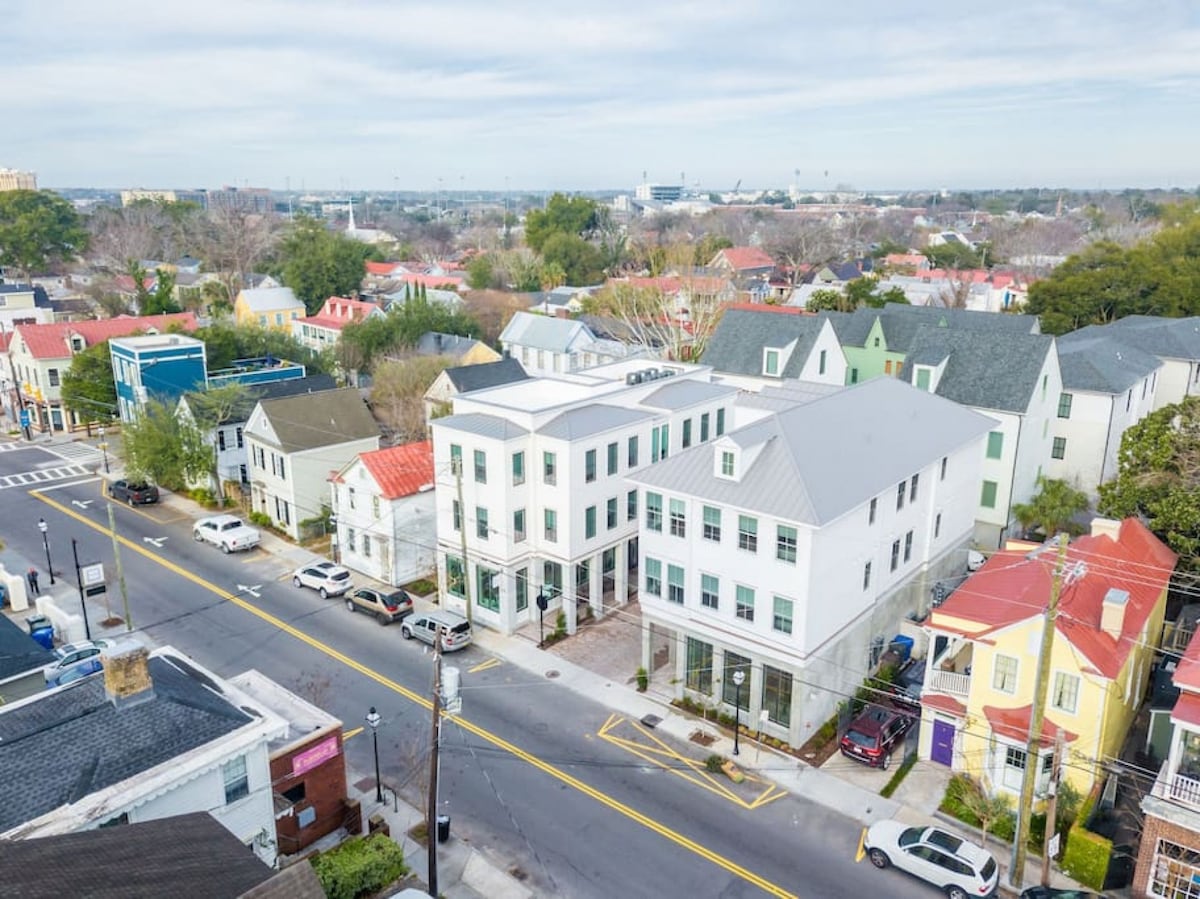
(924, 377)
(76, 344)
(727, 464)
(771, 363)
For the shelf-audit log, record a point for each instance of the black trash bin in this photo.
(443, 828)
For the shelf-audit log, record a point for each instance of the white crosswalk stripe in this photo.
(9, 445)
(42, 476)
(75, 452)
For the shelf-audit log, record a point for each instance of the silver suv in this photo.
(456, 630)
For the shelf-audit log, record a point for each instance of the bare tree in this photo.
(233, 241)
(795, 241)
(130, 233)
(398, 393)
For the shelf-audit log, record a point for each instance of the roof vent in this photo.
(650, 374)
(633, 377)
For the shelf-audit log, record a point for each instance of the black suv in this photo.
(873, 735)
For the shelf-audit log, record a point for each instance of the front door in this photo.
(942, 749)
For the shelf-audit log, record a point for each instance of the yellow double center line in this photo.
(557, 773)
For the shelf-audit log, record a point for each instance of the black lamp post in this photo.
(43, 527)
(104, 449)
(739, 678)
(373, 721)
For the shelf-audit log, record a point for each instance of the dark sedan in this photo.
(136, 493)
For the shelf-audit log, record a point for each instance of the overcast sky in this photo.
(570, 95)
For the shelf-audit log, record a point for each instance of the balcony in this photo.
(1184, 789)
(950, 671)
(949, 682)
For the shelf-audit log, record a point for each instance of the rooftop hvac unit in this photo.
(634, 377)
(650, 374)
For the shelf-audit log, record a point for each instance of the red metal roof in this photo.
(382, 268)
(943, 703)
(1187, 709)
(53, 341)
(428, 281)
(1014, 724)
(401, 470)
(339, 312)
(1011, 587)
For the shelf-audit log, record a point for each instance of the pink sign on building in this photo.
(314, 756)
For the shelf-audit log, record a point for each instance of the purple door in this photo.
(942, 749)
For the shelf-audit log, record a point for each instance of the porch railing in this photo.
(949, 682)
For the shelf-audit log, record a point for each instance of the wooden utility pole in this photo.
(431, 814)
(462, 533)
(112, 529)
(1016, 873)
(1052, 809)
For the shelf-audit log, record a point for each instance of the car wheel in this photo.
(350, 607)
(323, 593)
(383, 619)
(225, 548)
(885, 762)
(406, 632)
(953, 892)
(879, 858)
(196, 536)
(295, 582)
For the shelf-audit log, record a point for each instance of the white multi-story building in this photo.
(792, 548)
(1012, 377)
(544, 505)
(384, 505)
(1108, 386)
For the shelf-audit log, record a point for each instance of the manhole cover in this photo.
(552, 673)
(651, 720)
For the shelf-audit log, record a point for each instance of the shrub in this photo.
(643, 680)
(898, 777)
(359, 865)
(725, 720)
(204, 496)
(422, 587)
(260, 519)
(1086, 857)
(560, 625)
(828, 730)
(713, 764)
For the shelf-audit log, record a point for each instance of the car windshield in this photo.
(989, 868)
(860, 739)
(230, 525)
(943, 840)
(910, 836)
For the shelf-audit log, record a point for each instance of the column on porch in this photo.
(620, 580)
(570, 605)
(596, 585)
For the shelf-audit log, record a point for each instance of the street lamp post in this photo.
(739, 678)
(104, 449)
(373, 722)
(43, 527)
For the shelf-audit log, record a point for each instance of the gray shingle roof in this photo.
(491, 426)
(736, 345)
(19, 652)
(595, 418)
(985, 369)
(466, 378)
(680, 394)
(900, 323)
(310, 420)
(1167, 338)
(275, 389)
(435, 343)
(824, 458)
(1102, 362)
(72, 742)
(188, 856)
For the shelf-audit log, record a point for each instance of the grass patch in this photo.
(898, 776)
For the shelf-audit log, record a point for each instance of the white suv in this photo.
(326, 578)
(959, 868)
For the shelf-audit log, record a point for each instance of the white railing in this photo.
(1185, 789)
(949, 682)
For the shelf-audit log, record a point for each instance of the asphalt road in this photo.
(524, 772)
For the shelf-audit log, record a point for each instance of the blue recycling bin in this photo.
(41, 630)
(902, 646)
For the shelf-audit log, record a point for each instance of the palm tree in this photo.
(1052, 508)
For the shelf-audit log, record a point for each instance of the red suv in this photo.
(873, 735)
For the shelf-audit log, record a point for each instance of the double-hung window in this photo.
(712, 524)
(678, 518)
(785, 543)
(654, 512)
(748, 533)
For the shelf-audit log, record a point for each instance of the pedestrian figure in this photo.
(32, 577)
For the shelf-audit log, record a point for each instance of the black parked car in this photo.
(136, 493)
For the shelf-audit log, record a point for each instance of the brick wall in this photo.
(1154, 829)
(324, 791)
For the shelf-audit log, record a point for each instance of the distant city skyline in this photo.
(468, 96)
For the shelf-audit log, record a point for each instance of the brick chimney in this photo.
(1112, 612)
(127, 675)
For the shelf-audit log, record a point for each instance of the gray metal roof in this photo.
(784, 396)
(1167, 338)
(682, 393)
(822, 459)
(492, 427)
(543, 332)
(736, 345)
(72, 742)
(595, 418)
(985, 369)
(1102, 362)
(435, 343)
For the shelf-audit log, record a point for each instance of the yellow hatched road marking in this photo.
(862, 844)
(493, 662)
(496, 740)
(351, 733)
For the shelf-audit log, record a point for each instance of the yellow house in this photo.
(983, 657)
(268, 307)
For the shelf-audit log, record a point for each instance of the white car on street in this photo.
(228, 532)
(326, 578)
(957, 867)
